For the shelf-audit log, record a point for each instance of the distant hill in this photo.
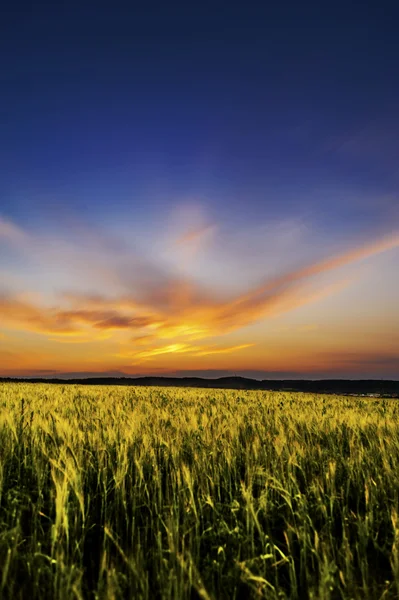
(326, 386)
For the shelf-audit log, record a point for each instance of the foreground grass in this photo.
(116, 492)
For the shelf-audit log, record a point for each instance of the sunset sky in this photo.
(200, 188)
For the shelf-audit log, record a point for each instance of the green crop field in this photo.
(122, 492)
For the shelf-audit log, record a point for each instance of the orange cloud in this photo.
(212, 350)
(24, 314)
(170, 307)
(184, 349)
(105, 319)
(260, 298)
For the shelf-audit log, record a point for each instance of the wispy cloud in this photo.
(172, 306)
(11, 233)
(193, 236)
(52, 320)
(186, 349)
(143, 310)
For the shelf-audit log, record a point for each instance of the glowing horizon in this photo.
(87, 313)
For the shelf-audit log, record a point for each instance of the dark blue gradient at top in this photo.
(266, 104)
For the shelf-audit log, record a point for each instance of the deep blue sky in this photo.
(162, 157)
(206, 98)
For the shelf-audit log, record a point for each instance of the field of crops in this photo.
(147, 493)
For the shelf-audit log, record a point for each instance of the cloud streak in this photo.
(196, 351)
(162, 306)
(146, 311)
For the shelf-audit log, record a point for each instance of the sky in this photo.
(199, 189)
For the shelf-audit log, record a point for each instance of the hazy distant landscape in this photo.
(113, 492)
(367, 387)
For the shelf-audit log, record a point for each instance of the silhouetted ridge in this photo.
(326, 386)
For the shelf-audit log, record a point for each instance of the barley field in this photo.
(151, 493)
